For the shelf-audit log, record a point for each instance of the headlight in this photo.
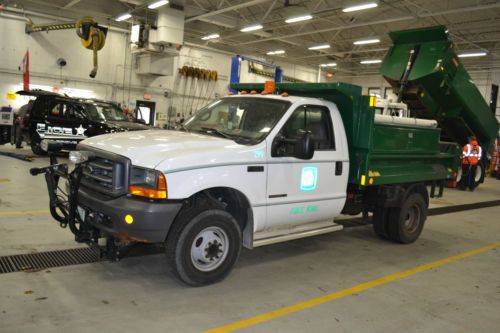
(147, 183)
(79, 156)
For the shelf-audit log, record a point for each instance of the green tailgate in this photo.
(379, 153)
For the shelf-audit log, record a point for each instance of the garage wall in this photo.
(116, 79)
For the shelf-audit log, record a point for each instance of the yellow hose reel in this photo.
(92, 37)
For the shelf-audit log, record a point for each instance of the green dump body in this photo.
(438, 86)
(380, 154)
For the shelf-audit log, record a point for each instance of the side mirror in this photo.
(304, 147)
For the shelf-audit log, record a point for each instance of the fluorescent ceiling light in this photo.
(252, 28)
(212, 36)
(360, 7)
(123, 17)
(276, 52)
(472, 54)
(332, 64)
(367, 41)
(157, 4)
(367, 62)
(298, 18)
(320, 47)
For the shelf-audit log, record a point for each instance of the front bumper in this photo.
(151, 220)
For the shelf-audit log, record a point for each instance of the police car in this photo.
(68, 120)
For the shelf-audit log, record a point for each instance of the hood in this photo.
(172, 150)
(128, 125)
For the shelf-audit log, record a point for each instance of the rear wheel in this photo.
(405, 224)
(203, 246)
(478, 176)
(380, 222)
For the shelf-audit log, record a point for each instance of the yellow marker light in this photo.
(373, 101)
(363, 180)
(129, 219)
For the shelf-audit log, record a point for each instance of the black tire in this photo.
(405, 224)
(478, 176)
(35, 146)
(459, 180)
(198, 237)
(380, 222)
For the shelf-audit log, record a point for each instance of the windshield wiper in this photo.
(218, 132)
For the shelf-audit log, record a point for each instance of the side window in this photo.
(315, 119)
(57, 110)
(73, 112)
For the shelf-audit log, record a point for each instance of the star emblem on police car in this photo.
(80, 130)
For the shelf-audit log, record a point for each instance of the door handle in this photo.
(338, 168)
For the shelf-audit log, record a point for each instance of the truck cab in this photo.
(251, 145)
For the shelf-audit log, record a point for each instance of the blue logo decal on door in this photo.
(309, 178)
(258, 154)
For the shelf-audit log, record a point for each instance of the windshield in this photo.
(247, 119)
(105, 112)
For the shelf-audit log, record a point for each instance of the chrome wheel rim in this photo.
(412, 219)
(459, 174)
(209, 249)
(479, 173)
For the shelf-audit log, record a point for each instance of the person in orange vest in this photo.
(471, 157)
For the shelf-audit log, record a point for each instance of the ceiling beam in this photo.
(71, 4)
(386, 21)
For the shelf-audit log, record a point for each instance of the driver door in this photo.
(300, 191)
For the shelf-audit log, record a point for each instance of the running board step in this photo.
(283, 235)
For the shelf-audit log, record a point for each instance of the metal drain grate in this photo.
(44, 260)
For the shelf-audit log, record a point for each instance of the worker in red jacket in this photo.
(471, 157)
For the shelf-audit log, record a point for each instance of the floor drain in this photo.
(44, 260)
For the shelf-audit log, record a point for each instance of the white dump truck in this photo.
(252, 169)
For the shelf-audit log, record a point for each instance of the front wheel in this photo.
(35, 146)
(203, 247)
(406, 223)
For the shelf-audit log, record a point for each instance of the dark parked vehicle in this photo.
(69, 120)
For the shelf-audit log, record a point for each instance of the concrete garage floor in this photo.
(138, 294)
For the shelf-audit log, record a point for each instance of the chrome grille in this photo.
(106, 173)
(99, 172)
